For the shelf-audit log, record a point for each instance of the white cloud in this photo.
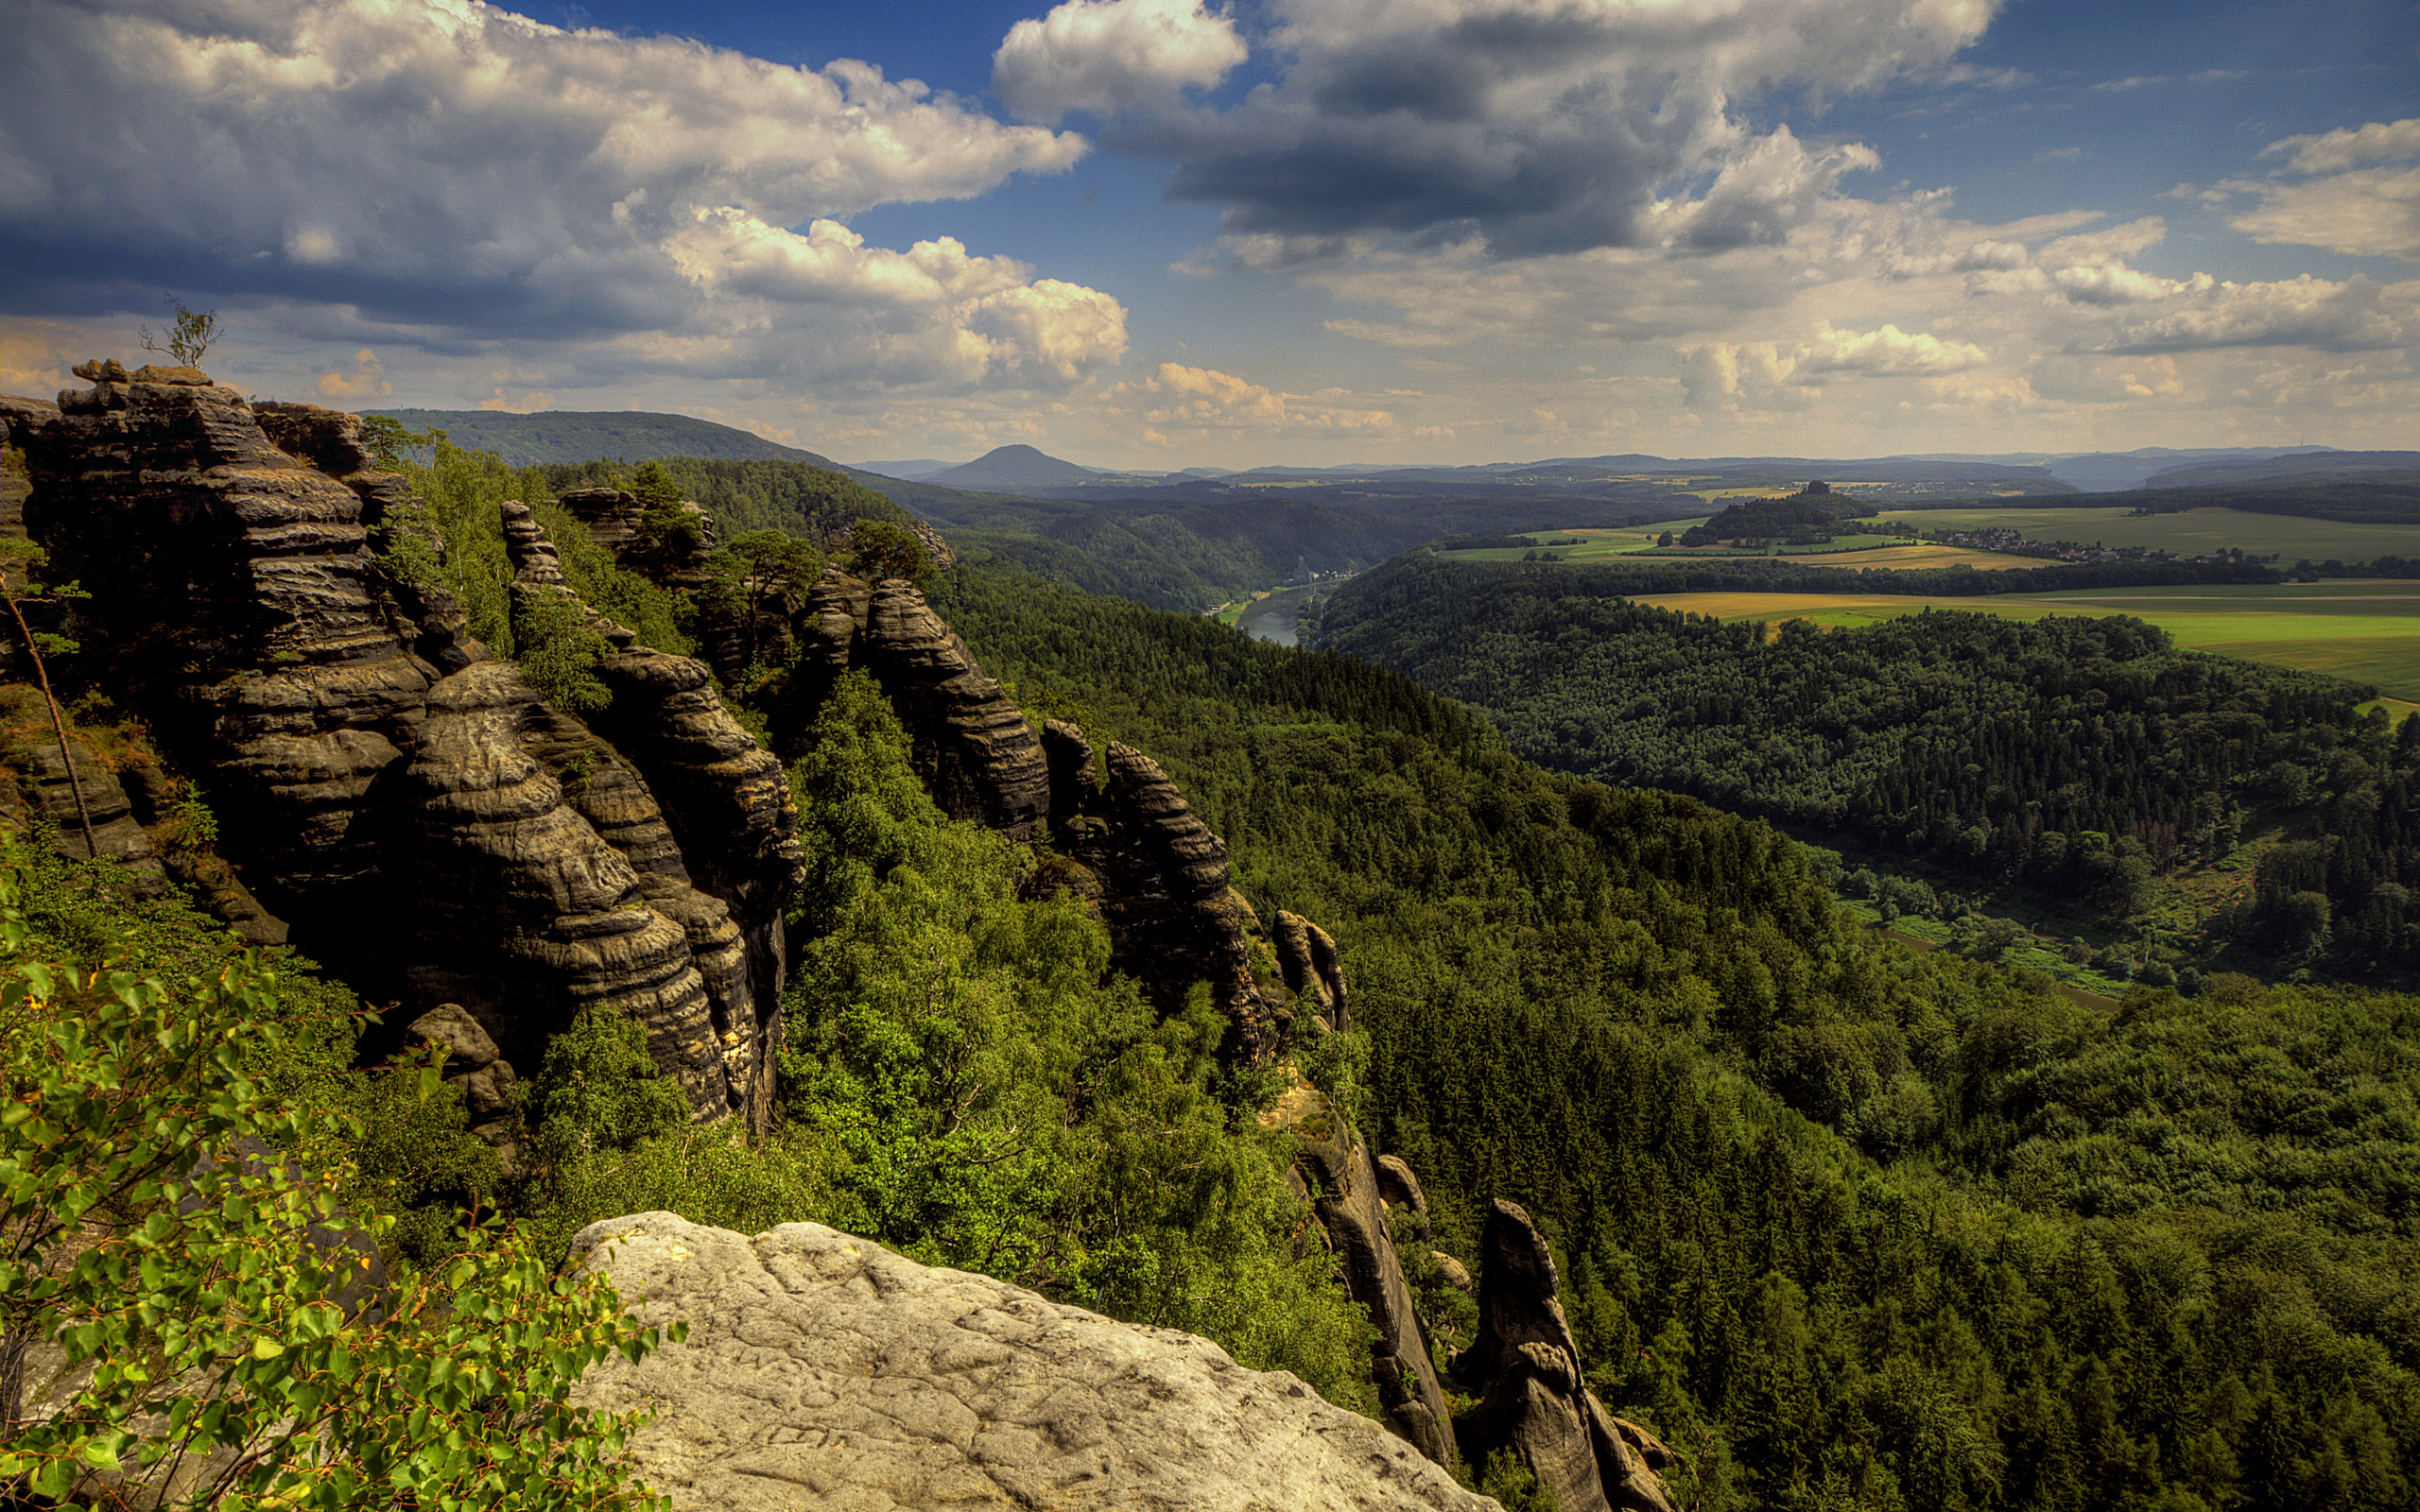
(445, 173)
(1109, 55)
(2334, 151)
(1180, 404)
(2352, 202)
(2366, 212)
(1767, 375)
(2358, 314)
(367, 379)
(934, 314)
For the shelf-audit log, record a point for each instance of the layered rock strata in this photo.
(972, 746)
(729, 856)
(1534, 1401)
(823, 1369)
(1314, 971)
(1334, 1170)
(369, 760)
(245, 617)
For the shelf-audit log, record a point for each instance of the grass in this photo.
(2193, 531)
(1863, 550)
(2365, 632)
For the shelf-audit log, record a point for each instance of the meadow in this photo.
(1862, 550)
(2195, 532)
(2362, 630)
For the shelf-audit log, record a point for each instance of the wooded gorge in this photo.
(2079, 758)
(1841, 1224)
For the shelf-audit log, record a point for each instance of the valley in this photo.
(2363, 631)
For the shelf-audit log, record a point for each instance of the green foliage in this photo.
(881, 549)
(558, 649)
(201, 1286)
(2095, 1274)
(600, 1091)
(2081, 759)
(976, 1095)
(798, 499)
(755, 577)
(388, 438)
(1510, 1481)
(457, 544)
(190, 334)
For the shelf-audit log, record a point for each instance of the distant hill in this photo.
(580, 436)
(1012, 467)
(2300, 467)
(907, 470)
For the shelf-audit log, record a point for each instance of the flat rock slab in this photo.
(822, 1370)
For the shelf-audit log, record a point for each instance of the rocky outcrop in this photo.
(472, 1062)
(1313, 970)
(244, 616)
(823, 1369)
(725, 801)
(1534, 1401)
(1335, 1171)
(1399, 1187)
(369, 760)
(524, 916)
(1159, 878)
(977, 756)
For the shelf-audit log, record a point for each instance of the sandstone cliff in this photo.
(821, 1370)
(1526, 1367)
(371, 760)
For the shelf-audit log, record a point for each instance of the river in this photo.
(1273, 618)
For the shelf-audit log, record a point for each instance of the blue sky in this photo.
(1160, 233)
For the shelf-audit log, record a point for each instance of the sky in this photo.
(1161, 233)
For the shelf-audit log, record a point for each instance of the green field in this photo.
(2193, 531)
(1598, 544)
(2366, 631)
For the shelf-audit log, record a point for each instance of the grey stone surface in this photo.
(822, 1370)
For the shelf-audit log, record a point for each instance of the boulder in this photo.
(823, 1371)
(1399, 1187)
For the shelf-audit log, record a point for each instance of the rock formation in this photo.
(370, 761)
(1335, 1171)
(1533, 1399)
(972, 746)
(731, 856)
(823, 1369)
(1313, 970)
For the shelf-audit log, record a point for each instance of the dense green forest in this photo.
(1852, 1227)
(2078, 757)
(1421, 579)
(1849, 1226)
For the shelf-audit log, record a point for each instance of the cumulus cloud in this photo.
(1178, 403)
(1543, 127)
(934, 312)
(367, 379)
(2360, 196)
(2358, 314)
(1766, 374)
(453, 174)
(2334, 151)
(1108, 55)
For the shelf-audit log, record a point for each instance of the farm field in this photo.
(1598, 544)
(2367, 631)
(2194, 531)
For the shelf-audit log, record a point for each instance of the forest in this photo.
(1847, 1225)
(2080, 757)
